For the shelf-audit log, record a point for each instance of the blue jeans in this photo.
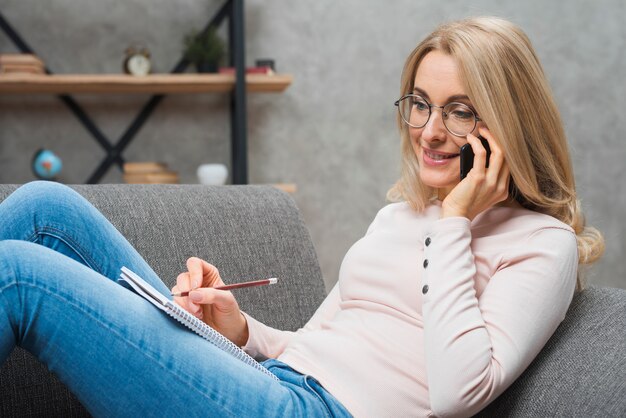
(59, 299)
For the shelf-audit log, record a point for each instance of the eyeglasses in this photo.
(458, 118)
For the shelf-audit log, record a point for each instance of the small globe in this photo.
(46, 164)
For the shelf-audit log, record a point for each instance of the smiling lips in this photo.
(437, 157)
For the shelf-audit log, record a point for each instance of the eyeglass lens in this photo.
(458, 118)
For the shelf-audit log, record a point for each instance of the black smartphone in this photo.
(467, 157)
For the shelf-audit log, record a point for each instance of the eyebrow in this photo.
(454, 98)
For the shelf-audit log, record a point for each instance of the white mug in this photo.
(212, 174)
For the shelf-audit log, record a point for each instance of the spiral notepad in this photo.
(188, 320)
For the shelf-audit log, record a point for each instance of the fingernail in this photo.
(195, 296)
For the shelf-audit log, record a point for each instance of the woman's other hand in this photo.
(217, 308)
(483, 187)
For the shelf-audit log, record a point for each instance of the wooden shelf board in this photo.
(20, 83)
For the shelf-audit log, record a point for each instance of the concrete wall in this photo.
(333, 131)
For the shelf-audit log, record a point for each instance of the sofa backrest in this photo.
(248, 232)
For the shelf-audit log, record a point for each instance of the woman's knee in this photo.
(45, 190)
(44, 197)
(38, 206)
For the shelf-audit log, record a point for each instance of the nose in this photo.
(434, 130)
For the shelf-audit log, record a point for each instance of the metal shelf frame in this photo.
(231, 10)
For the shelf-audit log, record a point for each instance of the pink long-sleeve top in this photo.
(433, 317)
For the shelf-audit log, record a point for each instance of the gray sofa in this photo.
(254, 231)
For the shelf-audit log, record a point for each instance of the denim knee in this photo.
(42, 189)
(44, 197)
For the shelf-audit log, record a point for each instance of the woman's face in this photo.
(437, 150)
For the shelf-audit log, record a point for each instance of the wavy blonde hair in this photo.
(506, 84)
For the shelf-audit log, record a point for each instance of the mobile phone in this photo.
(467, 157)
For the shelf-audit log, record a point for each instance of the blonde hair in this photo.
(506, 84)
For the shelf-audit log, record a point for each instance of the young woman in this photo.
(443, 303)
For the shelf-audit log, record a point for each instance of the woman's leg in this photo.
(57, 217)
(120, 355)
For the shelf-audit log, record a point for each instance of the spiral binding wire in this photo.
(213, 336)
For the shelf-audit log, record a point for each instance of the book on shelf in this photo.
(21, 63)
(267, 70)
(136, 167)
(165, 177)
(149, 172)
(20, 59)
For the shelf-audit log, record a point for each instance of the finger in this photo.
(497, 155)
(183, 282)
(211, 275)
(480, 153)
(504, 180)
(486, 133)
(496, 159)
(220, 299)
(505, 172)
(195, 269)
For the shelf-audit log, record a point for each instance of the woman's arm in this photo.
(270, 342)
(476, 347)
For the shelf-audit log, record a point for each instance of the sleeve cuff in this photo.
(447, 224)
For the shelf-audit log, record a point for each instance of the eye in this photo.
(419, 103)
(457, 114)
(460, 112)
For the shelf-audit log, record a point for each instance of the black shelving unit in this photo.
(231, 10)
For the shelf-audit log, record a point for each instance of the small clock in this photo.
(137, 61)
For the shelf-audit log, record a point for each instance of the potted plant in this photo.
(205, 50)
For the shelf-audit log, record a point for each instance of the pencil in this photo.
(235, 286)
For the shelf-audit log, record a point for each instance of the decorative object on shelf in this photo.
(266, 62)
(205, 50)
(21, 63)
(212, 174)
(261, 66)
(137, 61)
(249, 70)
(46, 165)
(149, 172)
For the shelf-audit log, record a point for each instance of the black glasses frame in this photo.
(430, 112)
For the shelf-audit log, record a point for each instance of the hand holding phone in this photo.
(467, 157)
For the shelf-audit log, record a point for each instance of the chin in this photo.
(438, 179)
